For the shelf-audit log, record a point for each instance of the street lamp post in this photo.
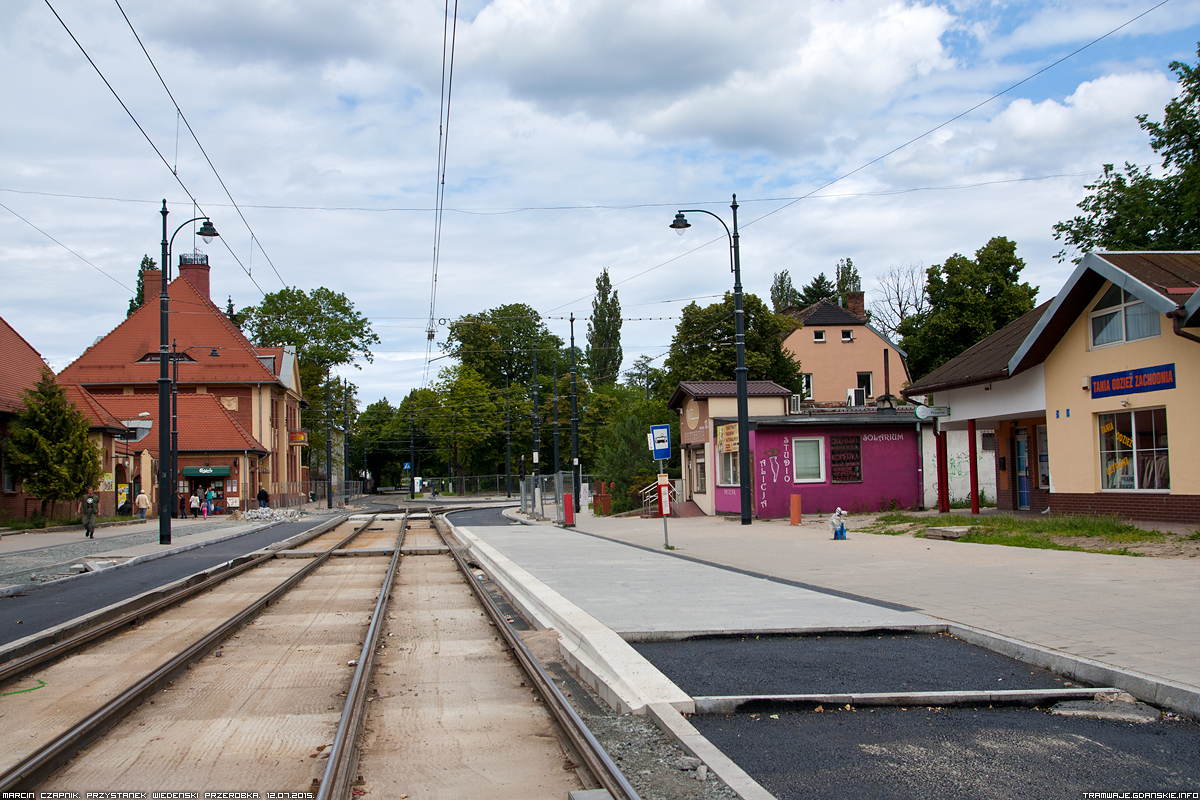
(743, 405)
(165, 477)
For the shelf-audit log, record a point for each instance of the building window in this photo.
(1120, 317)
(818, 336)
(847, 336)
(864, 383)
(729, 470)
(700, 477)
(989, 440)
(1133, 450)
(808, 465)
(7, 482)
(806, 386)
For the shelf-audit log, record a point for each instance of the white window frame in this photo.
(848, 335)
(870, 387)
(806, 387)
(1128, 301)
(820, 440)
(699, 475)
(819, 336)
(726, 462)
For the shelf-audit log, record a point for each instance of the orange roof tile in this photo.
(197, 326)
(20, 368)
(204, 424)
(97, 415)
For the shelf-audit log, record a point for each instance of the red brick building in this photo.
(249, 420)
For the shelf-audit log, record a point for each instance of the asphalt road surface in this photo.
(44, 607)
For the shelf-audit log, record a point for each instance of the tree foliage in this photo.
(49, 448)
(702, 348)
(499, 344)
(818, 289)
(465, 417)
(783, 293)
(969, 300)
(846, 279)
(322, 325)
(603, 353)
(1134, 210)
(139, 295)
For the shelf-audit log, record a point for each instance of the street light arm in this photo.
(723, 225)
(171, 241)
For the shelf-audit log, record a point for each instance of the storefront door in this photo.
(1022, 468)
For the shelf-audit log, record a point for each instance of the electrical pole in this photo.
(574, 422)
(556, 461)
(537, 467)
(346, 433)
(412, 462)
(507, 436)
(328, 445)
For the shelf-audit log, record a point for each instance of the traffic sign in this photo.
(661, 442)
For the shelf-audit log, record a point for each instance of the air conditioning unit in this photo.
(856, 397)
(794, 402)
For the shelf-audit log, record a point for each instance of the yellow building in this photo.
(1115, 361)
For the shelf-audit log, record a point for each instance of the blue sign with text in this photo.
(1134, 381)
(662, 441)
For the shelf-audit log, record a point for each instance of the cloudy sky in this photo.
(577, 128)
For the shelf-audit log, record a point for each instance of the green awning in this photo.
(205, 472)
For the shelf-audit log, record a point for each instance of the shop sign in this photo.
(205, 472)
(727, 438)
(1134, 381)
(298, 437)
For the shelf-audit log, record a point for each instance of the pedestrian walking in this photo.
(195, 505)
(182, 506)
(89, 507)
(210, 497)
(264, 499)
(142, 503)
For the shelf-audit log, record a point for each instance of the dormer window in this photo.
(818, 336)
(1120, 317)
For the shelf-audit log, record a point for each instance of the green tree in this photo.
(846, 279)
(969, 300)
(622, 455)
(603, 353)
(139, 296)
(1133, 209)
(703, 346)
(783, 293)
(499, 343)
(48, 447)
(818, 289)
(467, 415)
(644, 376)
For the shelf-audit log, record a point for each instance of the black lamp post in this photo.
(743, 404)
(166, 495)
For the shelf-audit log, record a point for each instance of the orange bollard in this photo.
(796, 520)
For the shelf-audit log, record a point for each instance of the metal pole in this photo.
(666, 539)
(174, 427)
(346, 435)
(574, 423)
(556, 461)
(537, 468)
(743, 403)
(328, 446)
(507, 437)
(164, 393)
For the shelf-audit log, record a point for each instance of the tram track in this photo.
(94, 750)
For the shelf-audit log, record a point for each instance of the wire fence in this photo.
(298, 494)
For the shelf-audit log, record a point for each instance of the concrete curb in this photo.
(617, 672)
(66, 528)
(42, 638)
(676, 726)
(9, 591)
(1177, 697)
(510, 512)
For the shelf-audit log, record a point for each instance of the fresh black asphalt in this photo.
(956, 754)
(47, 606)
(836, 664)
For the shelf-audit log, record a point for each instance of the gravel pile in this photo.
(267, 515)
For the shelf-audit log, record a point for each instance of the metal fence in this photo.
(298, 494)
(544, 496)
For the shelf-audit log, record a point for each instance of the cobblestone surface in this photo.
(49, 563)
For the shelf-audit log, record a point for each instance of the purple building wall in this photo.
(890, 460)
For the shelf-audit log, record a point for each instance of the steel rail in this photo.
(597, 761)
(30, 771)
(337, 780)
(60, 648)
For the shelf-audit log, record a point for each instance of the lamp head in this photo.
(680, 224)
(208, 232)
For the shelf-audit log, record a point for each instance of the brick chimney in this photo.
(151, 285)
(855, 304)
(193, 267)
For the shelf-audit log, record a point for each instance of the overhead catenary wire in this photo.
(64, 247)
(203, 152)
(449, 36)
